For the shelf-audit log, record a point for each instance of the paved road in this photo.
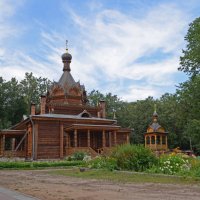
(6, 194)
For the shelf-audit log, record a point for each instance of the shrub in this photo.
(14, 165)
(101, 162)
(25, 165)
(173, 164)
(134, 157)
(78, 155)
(195, 167)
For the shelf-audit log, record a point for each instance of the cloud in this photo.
(8, 30)
(111, 42)
(140, 92)
(109, 48)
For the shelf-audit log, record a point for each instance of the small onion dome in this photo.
(155, 114)
(66, 57)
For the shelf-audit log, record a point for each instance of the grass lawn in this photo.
(125, 177)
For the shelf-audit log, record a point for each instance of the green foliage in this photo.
(177, 165)
(4, 165)
(103, 163)
(195, 167)
(16, 97)
(21, 164)
(134, 157)
(32, 88)
(190, 61)
(173, 164)
(79, 155)
(188, 110)
(113, 103)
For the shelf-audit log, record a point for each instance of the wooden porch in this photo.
(13, 143)
(94, 139)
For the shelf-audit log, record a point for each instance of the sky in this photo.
(130, 48)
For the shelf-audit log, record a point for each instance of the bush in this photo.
(78, 155)
(103, 163)
(25, 165)
(172, 164)
(5, 165)
(134, 157)
(195, 167)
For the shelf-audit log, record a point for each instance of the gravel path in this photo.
(38, 183)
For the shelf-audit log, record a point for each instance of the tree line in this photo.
(179, 113)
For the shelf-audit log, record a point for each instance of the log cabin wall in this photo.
(48, 139)
(121, 138)
(73, 110)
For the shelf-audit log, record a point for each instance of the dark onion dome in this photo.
(66, 57)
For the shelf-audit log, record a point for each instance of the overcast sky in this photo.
(127, 47)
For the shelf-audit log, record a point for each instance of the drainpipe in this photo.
(33, 145)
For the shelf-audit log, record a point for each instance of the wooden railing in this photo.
(9, 153)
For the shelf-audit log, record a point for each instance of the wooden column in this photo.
(115, 138)
(110, 137)
(150, 141)
(61, 141)
(161, 141)
(2, 145)
(127, 138)
(166, 142)
(88, 138)
(13, 144)
(155, 142)
(75, 138)
(103, 138)
(67, 140)
(36, 141)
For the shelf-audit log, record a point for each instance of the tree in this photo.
(168, 116)
(32, 88)
(15, 97)
(189, 109)
(190, 61)
(137, 116)
(113, 103)
(12, 104)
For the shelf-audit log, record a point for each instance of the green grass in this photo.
(125, 177)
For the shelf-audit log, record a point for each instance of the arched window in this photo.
(148, 140)
(158, 139)
(152, 139)
(85, 115)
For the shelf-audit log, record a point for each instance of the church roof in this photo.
(66, 80)
(155, 126)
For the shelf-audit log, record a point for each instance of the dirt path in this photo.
(50, 187)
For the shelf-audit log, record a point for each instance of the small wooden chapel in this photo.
(156, 136)
(65, 124)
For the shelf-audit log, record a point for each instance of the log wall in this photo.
(48, 140)
(121, 138)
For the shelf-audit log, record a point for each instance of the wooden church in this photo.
(65, 124)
